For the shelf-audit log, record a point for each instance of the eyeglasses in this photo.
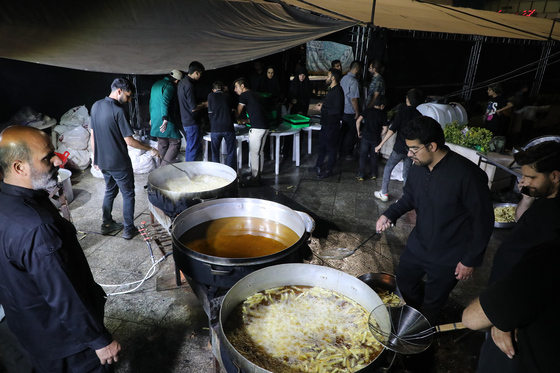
(414, 151)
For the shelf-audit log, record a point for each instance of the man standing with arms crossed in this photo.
(110, 135)
(51, 300)
(189, 108)
(454, 219)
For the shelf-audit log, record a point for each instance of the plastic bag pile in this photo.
(74, 137)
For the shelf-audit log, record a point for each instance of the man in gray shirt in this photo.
(351, 87)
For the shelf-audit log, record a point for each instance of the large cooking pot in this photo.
(225, 272)
(173, 202)
(284, 275)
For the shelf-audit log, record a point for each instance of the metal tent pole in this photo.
(543, 62)
(472, 66)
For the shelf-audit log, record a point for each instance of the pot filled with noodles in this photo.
(292, 318)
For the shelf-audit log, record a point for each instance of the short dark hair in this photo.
(217, 85)
(241, 81)
(377, 65)
(355, 64)
(496, 87)
(334, 62)
(123, 84)
(543, 157)
(424, 129)
(336, 74)
(195, 66)
(415, 97)
(9, 154)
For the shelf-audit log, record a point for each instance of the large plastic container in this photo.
(64, 178)
(444, 113)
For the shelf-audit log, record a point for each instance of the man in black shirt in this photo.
(516, 305)
(51, 300)
(405, 114)
(253, 103)
(110, 135)
(332, 110)
(538, 221)
(221, 125)
(189, 109)
(454, 222)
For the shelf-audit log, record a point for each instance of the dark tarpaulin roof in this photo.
(152, 36)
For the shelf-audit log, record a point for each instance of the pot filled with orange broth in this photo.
(219, 242)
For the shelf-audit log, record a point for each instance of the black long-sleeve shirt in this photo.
(454, 210)
(333, 107)
(187, 101)
(52, 303)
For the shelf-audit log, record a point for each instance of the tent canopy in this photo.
(153, 36)
(426, 16)
(156, 36)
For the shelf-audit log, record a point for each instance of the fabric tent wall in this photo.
(152, 36)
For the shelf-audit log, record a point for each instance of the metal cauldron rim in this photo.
(307, 225)
(291, 274)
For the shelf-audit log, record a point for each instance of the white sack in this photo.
(396, 174)
(77, 116)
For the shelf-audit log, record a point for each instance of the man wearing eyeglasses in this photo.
(454, 222)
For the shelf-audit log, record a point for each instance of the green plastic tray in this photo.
(296, 119)
(293, 125)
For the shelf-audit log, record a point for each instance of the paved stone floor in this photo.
(163, 328)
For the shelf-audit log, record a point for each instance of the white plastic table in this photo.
(309, 130)
(240, 137)
(281, 131)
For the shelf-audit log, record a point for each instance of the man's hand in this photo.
(163, 126)
(377, 148)
(463, 272)
(383, 223)
(504, 341)
(108, 354)
(155, 153)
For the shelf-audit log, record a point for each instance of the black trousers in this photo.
(367, 149)
(85, 361)
(328, 139)
(493, 360)
(428, 297)
(349, 135)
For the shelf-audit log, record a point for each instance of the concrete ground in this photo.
(163, 328)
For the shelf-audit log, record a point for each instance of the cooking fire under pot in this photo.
(263, 218)
(170, 190)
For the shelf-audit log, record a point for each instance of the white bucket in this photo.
(64, 178)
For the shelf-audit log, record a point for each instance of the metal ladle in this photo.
(178, 168)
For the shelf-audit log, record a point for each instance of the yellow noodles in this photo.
(303, 329)
(504, 214)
